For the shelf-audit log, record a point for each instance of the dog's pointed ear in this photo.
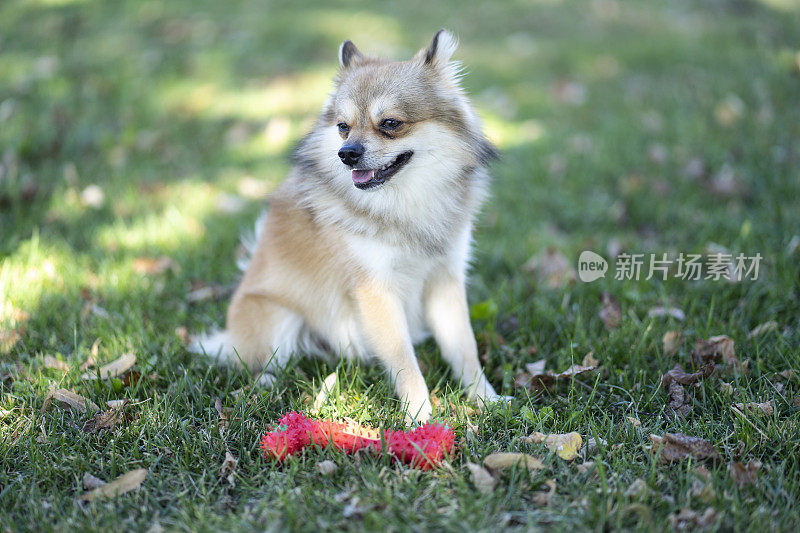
(441, 49)
(349, 55)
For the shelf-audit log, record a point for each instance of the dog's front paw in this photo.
(419, 412)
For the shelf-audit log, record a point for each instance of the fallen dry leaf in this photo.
(687, 519)
(788, 374)
(228, 468)
(125, 483)
(677, 446)
(55, 364)
(679, 399)
(481, 478)
(758, 409)
(679, 375)
(720, 347)
(326, 468)
(70, 399)
(109, 419)
(551, 268)
(672, 340)
(539, 380)
(610, 311)
(501, 461)
(112, 370)
(660, 311)
(566, 445)
(536, 368)
(222, 415)
(203, 292)
(154, 266)
(635, 422)
(90, 482)
(585, 467)
(590, 360)
(545, 498)
(745, 474)
(760, 329)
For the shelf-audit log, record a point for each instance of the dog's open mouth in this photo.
(369, 178)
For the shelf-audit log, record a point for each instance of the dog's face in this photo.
(386, 119)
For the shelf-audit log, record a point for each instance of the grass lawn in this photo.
(138, 139)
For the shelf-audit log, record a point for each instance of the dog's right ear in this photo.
(349, 55)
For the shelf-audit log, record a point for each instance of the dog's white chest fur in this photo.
(404, 271)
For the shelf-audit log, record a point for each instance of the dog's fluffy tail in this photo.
(215, 344)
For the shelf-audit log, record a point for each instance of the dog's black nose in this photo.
(351, 153)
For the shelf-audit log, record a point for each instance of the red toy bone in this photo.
(423, 447)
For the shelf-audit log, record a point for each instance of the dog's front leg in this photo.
(447, 316)
(386, 330)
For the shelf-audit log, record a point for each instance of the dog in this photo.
(364, 249)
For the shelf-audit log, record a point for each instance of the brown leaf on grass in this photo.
(590, 360)
(228, 468)
(757, 409)
(745, 474)
(536, 379)
(672, 340)
(760, 329)
(154, 265)
(551, 268)
(679, 375)
(678, 397)
(70, 399)
(113, 369)
(679, 401)
(536, 368)
(481, 478)
(55, 364)
(788, 374)
(687, 519)
(201, 292)
(610, 311)
(715, 349)
(565, 445)
(677, 446)
(109, 419)
(90, 482)
(221, 414)
(545, 498)
(501, 461)
(125, 483)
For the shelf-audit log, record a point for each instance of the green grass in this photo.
(173, 107)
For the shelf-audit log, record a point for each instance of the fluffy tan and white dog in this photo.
(365, 247)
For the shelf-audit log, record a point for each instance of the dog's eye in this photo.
(390, 124)
(344, 128)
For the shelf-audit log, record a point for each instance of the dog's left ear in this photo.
(349, 55)
(440, 51)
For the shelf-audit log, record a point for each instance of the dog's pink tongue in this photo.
(362, 176)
